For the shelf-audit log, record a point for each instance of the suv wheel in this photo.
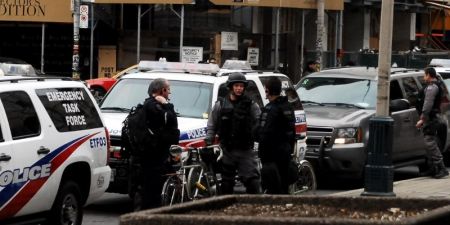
(67, 208)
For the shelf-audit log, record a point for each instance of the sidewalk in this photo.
(420, 187)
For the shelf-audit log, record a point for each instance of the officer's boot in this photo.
(441, 171)
(429, 172)
(253, 186)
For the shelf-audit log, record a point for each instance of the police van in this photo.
(53, 150)
(194, 90)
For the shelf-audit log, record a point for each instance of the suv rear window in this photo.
(70, 109)
(22, 117)
(287, 89)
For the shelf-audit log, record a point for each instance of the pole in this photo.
(339, 37)
(181, 32)
(76, 40)
(138, 47)
(277, 40)
(379, 173)
(302, 48)
(91, 66)
(320, 31)
(42, 47)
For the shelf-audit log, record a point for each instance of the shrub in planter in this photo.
(288, 209)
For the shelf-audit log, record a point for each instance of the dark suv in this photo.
(339, 104)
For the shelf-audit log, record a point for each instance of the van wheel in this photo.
(67, 208)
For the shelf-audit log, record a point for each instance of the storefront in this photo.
(221, 29)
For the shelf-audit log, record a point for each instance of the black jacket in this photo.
(276, 133)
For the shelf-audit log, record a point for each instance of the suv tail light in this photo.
(108, 146)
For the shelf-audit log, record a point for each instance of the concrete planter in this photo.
(198, 213)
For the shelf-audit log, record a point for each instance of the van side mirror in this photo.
(398, 105)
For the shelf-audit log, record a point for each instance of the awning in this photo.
(301, 4)
(179, 2)
(439, 5)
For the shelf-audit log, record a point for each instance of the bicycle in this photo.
(195, 178)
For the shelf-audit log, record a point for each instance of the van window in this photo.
(251, 91)
(22, 118)
(70, 109)
(287, 89)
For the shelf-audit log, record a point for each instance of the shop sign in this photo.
(253, 56)
(36, 11)
(229, 41)
(192, 54)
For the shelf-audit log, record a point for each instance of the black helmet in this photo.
(236, 77)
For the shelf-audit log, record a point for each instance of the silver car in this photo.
(339, 104)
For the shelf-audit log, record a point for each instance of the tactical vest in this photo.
(236, 123)
(436, 109)
(285, 125)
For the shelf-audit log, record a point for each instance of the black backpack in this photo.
(135, 131)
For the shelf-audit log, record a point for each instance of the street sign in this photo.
(84, 16)
(253, 56)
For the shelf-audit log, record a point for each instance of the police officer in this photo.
(430, 121)
(162, 122)
(234, 120)
(276, 137)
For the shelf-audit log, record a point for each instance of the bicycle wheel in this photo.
(197, 183)
(307, 179)
(171, 192)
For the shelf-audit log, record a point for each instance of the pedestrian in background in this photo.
(430, 121)
(311, 67)
(276, 137)
(162, 123)
(234, 118)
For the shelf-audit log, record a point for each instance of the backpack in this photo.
(135, 131)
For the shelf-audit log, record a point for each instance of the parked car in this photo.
(100, 86)
(195, 88)
(13, 66)
(53, 150)
(339, 104)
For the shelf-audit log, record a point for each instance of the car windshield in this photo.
(191, 99)
(360, 93)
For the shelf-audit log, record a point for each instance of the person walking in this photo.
(234, 120)
(163, 125)
(276, 137)
(430, 120)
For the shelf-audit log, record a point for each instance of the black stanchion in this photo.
(379, 172)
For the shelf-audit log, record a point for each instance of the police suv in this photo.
(53, 150)
(194, 90)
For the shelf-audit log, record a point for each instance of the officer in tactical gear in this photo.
(276, 137)
(430, 121)
(234, 120)
(163, 124)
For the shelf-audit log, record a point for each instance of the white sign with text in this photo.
(192, 54)
(229, 41)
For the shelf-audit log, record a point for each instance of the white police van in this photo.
(53, 150)
(194, 90)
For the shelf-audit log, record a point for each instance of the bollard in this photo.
(379, 171)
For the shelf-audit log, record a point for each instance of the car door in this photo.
(402, 124)
(415, 145)
(22, 172)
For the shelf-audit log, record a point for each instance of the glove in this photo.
(208, 141)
